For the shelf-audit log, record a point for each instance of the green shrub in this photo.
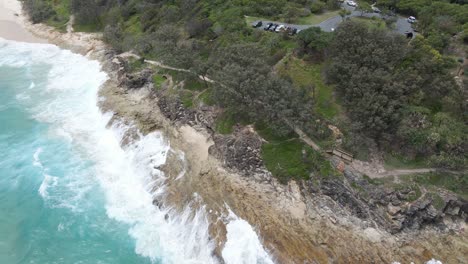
(317, 7)
(38, 10)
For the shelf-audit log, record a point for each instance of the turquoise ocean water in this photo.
(70, 193)
(51, 207)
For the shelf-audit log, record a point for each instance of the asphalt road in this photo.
(401, 26)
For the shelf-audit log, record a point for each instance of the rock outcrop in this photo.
(240, 151)
(395, 210)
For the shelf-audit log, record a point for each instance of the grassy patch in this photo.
(136, 65)
(415, 192)
(314, 19)
(285, 160)
(292, 159)
(288, 44)
(87, 27)
(374, 181)
(60, 25)
(225, 123)
(437, 201)
(309, 76)
(270, 135)
(457, 183)
(287, 157)
(194, 84)
(177, 76)
(251, 19)
(371, 22)
(187, 98)
(133, 25)
(400, 162)
(206, 97)
(158, 80)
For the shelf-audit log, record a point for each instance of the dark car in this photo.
(257, 24)
(268, 26)
(293, 31)
(273, 27)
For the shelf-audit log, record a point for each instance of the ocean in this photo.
(70, 193)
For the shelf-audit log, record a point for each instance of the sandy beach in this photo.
(11, 26)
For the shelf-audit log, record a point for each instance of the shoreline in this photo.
(290, 224)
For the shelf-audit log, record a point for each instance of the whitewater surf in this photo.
(74, 189)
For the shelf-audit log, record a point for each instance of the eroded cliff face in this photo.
(330, 221)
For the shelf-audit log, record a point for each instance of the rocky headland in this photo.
(346, 219)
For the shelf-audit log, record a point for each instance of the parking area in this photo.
(402, 26)
(274, 26)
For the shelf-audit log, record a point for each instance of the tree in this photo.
(86, 11)
(344, 13)
(317, 7)
(201, 68)
(240, 72)
(38, 10)
(114, 35)
(364, 7)
(364, 69)
(291, 14)
(245, 85)
(313, 41)
(427, 72)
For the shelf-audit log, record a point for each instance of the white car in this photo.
(351, 3)
(280, 28)
(411, 19)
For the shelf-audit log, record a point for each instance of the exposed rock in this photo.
(138, 79)
(387, 207)
(393, 210)
(240, 151)
(174, 110)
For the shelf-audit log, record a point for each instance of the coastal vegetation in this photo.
(380, 89)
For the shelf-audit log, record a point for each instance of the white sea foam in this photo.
(243, 244)
(22, 97)
(127, 176)
(36, 161)
(49, 181)
(432, 261)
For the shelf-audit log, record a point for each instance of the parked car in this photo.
(268, 26)
(411, 19)
(292, 31)
(280, 28)
(257, 24)
(376, 10)
(351, 3)
(273, 27)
